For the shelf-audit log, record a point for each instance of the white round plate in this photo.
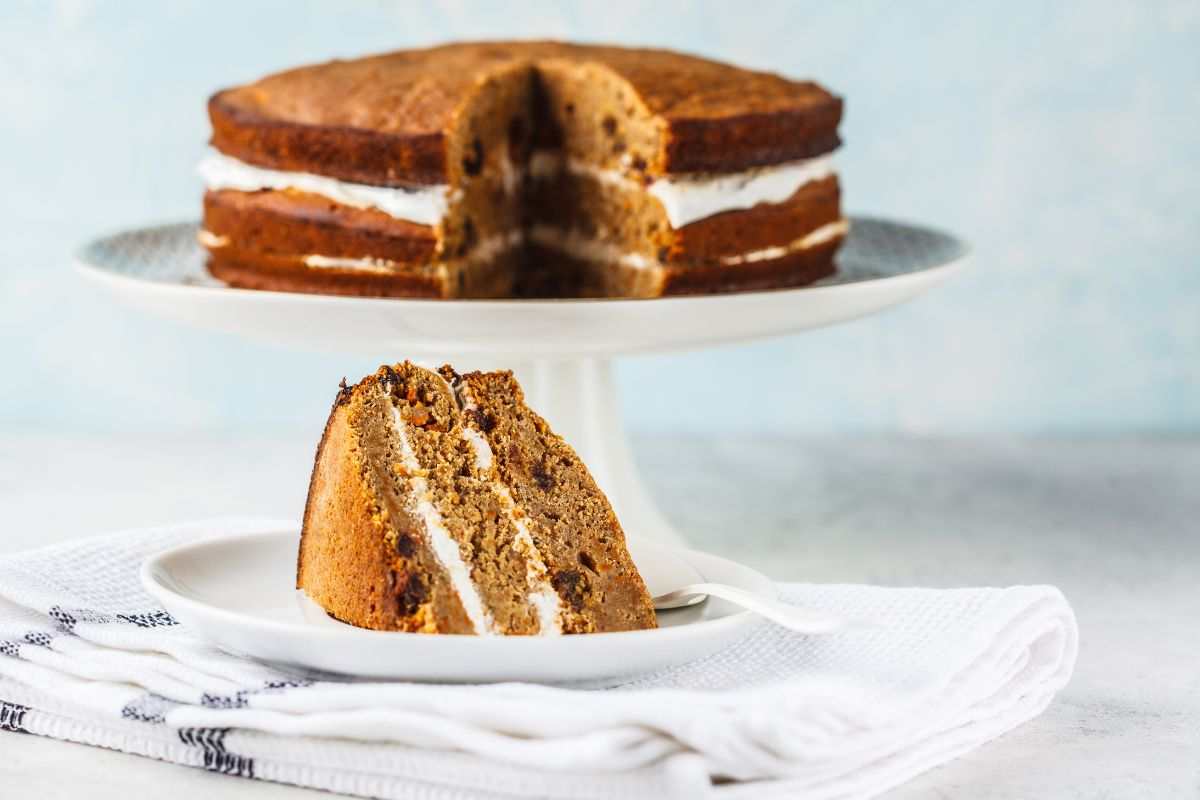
(238, 592)
(161, 270)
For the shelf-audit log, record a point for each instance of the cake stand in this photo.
(561, 350)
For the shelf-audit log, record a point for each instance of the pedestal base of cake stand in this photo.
(579, 399)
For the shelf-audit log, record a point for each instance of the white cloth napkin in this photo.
(85, 655)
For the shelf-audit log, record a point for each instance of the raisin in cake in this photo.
(494, 169)
(441, 503)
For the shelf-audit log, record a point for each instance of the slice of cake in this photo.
(494, 169)
(441, 503)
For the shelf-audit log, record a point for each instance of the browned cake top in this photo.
(383, 119)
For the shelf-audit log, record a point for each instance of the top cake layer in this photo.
(390, 120)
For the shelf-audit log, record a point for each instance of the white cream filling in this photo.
(811, 239)
(354, 264)
(483, 450)
(541, 594)
(444, 547)
(425, 205)
(486, 250)
(572, 243)
(210, 239)
(693, 197)
(577, 245)
(493, 246)
(548, 163)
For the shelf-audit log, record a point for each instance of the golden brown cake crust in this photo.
(384, 120)
(341, 562)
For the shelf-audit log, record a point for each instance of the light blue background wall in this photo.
(1062, 138)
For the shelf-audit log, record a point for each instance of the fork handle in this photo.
(791, 617)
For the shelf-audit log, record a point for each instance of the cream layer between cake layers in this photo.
(483, 252)
(692, 197)
(585, 248)
(424, 205)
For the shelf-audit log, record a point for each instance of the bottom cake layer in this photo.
(364, 277)
(558, 265)
(546, 267)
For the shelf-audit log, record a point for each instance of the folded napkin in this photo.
(86, 656)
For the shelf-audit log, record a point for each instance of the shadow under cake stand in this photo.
(561, 350)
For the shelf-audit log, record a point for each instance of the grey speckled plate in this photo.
(161, 270)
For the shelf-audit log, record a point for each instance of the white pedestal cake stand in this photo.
(560, 349)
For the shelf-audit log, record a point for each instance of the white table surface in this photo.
(1114, 523)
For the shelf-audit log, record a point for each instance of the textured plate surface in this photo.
(238, 593)
(161, 270)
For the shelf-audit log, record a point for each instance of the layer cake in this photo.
(494, 169)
